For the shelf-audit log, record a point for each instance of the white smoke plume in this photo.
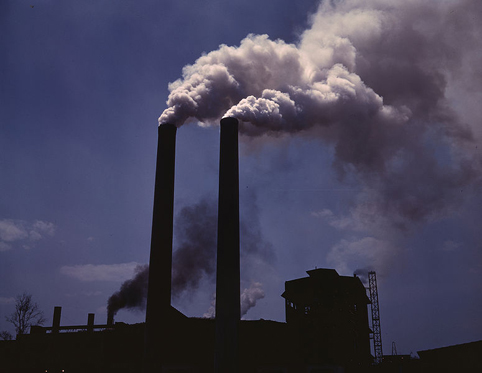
(249, 298)
(276, 87)
(391, 86)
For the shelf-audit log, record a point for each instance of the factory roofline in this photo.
(328, 281)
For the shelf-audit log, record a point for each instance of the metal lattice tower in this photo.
(377, 333)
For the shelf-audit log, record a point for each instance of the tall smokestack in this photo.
(227, 272)
(160, 263)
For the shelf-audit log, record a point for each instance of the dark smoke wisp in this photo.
(132, 293)
(195, 256)
(194, 260)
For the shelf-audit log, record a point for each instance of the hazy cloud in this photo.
(368, 252)
(44, 227)
(24, 234)
(5, 246)
(100, 272)
(451, 246)
(324, 214)
(4, 300)
(11, 230)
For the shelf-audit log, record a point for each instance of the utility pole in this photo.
(377, 333)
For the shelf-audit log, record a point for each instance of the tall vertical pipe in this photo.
(227, 272)
(160, 262)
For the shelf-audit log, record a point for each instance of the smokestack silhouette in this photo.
(227, 270)
(160, 263)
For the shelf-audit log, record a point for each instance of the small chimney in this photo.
(227, 270)
(110, 319)
(160, 262)
(56, 320)
(90, 322)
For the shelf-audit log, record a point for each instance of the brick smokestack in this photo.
(227, 272)
(160, 263)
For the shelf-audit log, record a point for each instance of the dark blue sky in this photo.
(81, 87)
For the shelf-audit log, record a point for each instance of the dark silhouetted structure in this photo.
(228, 306)
(160, 262)
(377, 331)
(329, 316)
(326, 327)
(326, 330)
(56, 320)
(265, 346)
(466, 357)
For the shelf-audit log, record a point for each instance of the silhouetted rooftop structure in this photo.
(330, 317)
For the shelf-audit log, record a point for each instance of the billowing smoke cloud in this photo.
(323, 83)
(194, 260)
(276, 87)
(132, 294)
(392, 86)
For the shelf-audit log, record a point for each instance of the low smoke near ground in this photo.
(194, 259)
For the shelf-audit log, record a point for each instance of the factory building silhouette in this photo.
(170, 341)
(326, 328)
